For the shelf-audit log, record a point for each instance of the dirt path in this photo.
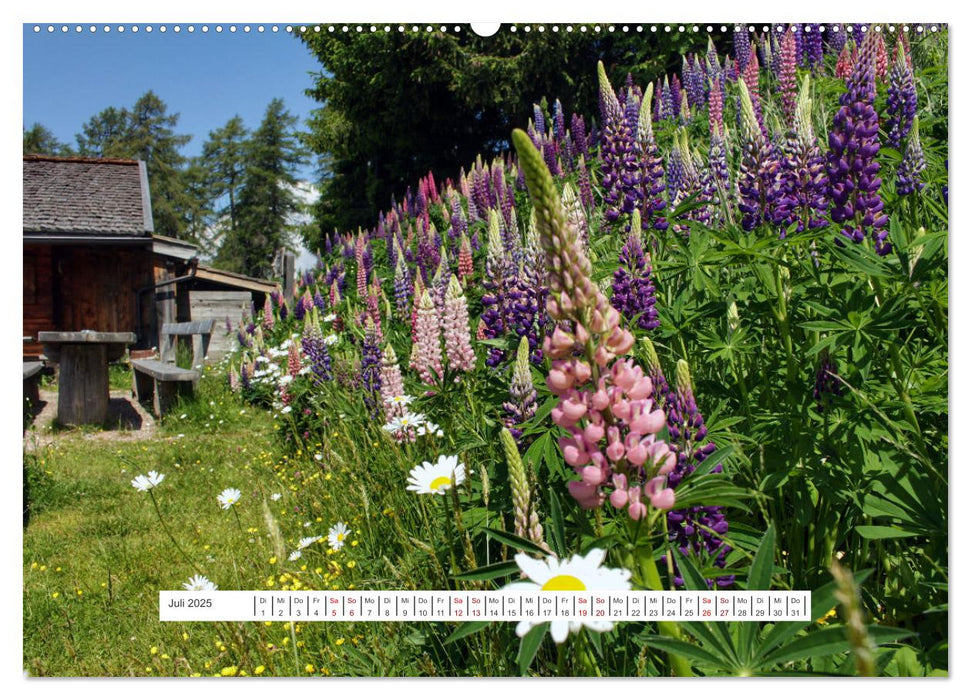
(127, 421)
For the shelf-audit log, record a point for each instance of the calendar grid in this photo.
(462, 606)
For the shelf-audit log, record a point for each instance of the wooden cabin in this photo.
(93, 262)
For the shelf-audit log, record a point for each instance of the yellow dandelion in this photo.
(258, 671)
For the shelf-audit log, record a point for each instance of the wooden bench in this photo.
(162, 381)
(32, 371)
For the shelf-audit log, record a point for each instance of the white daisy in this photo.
(295, 555)
(329, 318)
(147, 483)
(276, 497)
(228, 498)
(438, 477)
(337, 535)
(307, 541)
(402, 400)
(405, 422)
(199, 583)
(429, 428)
(331, 339)
(578, 573)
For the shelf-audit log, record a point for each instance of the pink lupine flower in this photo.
(455, 328)
(267, 313)
(845, 62)
(293, 360)
(465, 258)
(373, 311)
(428, 357)
(361, 268)
(335, 300)
(605, 401)
(392, 386)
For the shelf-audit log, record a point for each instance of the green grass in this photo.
(95, 554)
(119, 377)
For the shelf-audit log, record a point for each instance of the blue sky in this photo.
(205, 77)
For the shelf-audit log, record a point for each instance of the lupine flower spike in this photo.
(604, 401)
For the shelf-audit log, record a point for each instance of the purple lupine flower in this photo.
(244, 376)
(539, 120)
(787, 77)
(901, 100)
(835, 39)
(633, 288)
(459, 225)
(697, 529)
(851, 164)
(549, 155)
(827, 382)
(694, 78)
(675, 172)
(299, 309)
(913, 163)
(813, 47)
(711, 64)
(742, 47)
(578, 132)
(800, 37)
(319, 302)
(402, 288)
(522, 402)
(559, 121)
(584, 185)
(315, 349)
(493, 282)
(803, 188)
(689, 181)
(652, 168)
(371, 370)
(675, 94)
(758, 168)
(620, 171)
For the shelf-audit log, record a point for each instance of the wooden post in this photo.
(82, 395)
(289, 282)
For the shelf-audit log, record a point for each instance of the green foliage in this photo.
(38, 139)
(397, 105)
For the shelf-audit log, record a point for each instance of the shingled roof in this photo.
(86, 196)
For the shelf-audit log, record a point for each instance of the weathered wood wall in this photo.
(219, 306)
(74, 288)
(38, 295)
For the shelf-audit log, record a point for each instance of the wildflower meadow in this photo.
(696, 340)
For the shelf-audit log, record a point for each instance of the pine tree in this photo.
(266, 198)
(223, 156)
(41, 140)
(151, 138)
(105, 134)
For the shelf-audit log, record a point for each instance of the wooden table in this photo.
(82, 385)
